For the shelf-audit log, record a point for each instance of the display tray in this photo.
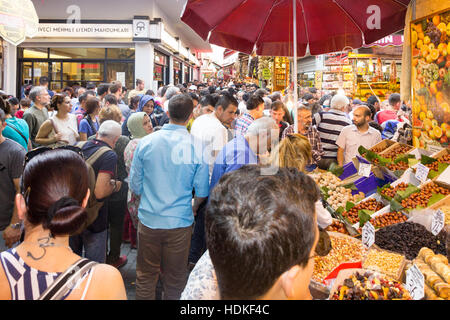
(383, 145)
(444, 200)
(397, 274)
(394, 146)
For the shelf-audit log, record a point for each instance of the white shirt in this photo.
(351, 138)
(212, 133)
(68, 128)
(242, 107)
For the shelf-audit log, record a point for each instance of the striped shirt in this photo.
(330, 124)
(242, 124)
(27, 283)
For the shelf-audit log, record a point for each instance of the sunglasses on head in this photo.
(32, 153)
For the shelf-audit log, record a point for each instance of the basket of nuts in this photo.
(429, 194)
(382, 145)
(384, 219)
(389, 263)
(396, 150)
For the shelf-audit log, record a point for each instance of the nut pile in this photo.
(340, 196)
(327, 179)
(392, 191)
(337, 226)
(408, 238)
(370, 204)
(379, 149)
(434, 165)
(345, 249)
(401, 165)
(397, 151)
(388, 219)
(446, 211)
(389, 263)
(422, 197)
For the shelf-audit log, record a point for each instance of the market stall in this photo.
(391, 218)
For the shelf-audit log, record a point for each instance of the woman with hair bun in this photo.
(51, 205)
(62, 128)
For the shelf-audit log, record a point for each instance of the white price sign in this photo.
(415, 283)
(437, 223)
(422, 172)
(364, 169)
(368, 234)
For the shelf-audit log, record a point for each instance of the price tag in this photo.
(422, 172)
(364, 169)
(415, 283)
(437, 223)
(368, 234)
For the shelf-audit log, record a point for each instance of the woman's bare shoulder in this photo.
(106, 284)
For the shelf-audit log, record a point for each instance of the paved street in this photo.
(129, 270)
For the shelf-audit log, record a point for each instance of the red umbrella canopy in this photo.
(324, 25)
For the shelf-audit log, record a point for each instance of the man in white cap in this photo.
(193, 89)
(330, 124)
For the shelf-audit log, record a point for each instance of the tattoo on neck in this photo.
(43, 243)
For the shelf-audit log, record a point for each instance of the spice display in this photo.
(396, 151)
(337, 226)
(421, 198)
(369, 204)
(392, 191)
(434, 166)
(388, 263)
(344, 249)
(370, 286)
(388, 219)
(339, 197)
(436, 271)
(408, 238)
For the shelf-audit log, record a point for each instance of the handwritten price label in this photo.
(368, 234)
(364, 169)
(437, 223)
(422, 172)
(415, 283)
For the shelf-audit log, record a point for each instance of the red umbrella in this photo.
(323, 25)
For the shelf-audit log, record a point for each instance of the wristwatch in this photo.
(16, 225)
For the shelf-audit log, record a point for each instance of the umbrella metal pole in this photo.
(295, 64)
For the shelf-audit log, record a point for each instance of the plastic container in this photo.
(367, 185)
(349, 170)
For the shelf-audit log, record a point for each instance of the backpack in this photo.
(93, 205)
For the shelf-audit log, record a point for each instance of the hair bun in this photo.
(65, 216)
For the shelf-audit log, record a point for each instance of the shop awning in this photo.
(392, 40)
(18, 20)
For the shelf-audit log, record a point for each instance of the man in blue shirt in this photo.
(242, 150)
(167, 165)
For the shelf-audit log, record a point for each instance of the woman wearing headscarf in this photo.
(139, 125)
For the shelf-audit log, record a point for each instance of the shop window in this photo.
(82, 72)
(40, 69)
(27, 73)
(160, 58)
(77, 53)
(35, 53)
(120, 53)
(119, 71)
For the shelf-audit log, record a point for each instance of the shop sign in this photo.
(266, 74)
(141, 29)
(88, 30)
(18, 19)
(392, 40)
(337, 58)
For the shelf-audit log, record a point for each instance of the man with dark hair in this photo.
(91, 86)
(249, 261)
(255, 110)
(12, 156)
(117, 90)
(355, 135)
(277, 113)
(43, 81)
(167, 166)
(390, 113)
(134, 103)
(110, 99)
(374, 102)
(103, 90)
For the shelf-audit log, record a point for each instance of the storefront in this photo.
(161, 68)
(177, 72)
(68, 66)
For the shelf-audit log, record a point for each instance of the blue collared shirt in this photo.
(167, 165)
(234, 155)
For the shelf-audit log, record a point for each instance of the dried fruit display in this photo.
(337, 226)
(388, 219)
(422, 197)
(388, 263)
(408, 238)
(446, 211)
(370, 286)
(396, 151)
(434, 166)
(392, 191)
(344, 249)
(369, 204)
(401, 165)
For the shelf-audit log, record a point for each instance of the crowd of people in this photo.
(207, 181)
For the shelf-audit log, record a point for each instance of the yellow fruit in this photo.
(448, 30)
(441, 47)
(442, 27)
(431, 134)
(422, 116)
(434, 123)
(439, 97)
(430, 114)
(433, 87)
(445, 106)
(416, 142)
(424, 51)
(416, 107)
(419, 28)
(444, 127)
(416, 132)
(434, 54)
(420, 35)
(414, 37)
(436, 20)
(437, 132)
(429, 58)
(431, 46)
(427, 124)
(426, 40)
(444, 52)
(419, 44)
(448, 134)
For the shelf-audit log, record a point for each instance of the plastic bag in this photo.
(422, 216)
